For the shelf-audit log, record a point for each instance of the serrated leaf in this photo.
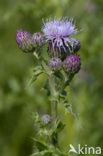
(36, 117)
(40, 145)
(36, 72)
(59, 126)
(50, 152)
(43, 153)
(46, 68)
(68, 109)
(59, 75)
(46, 88)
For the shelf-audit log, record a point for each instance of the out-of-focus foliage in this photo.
(18, 101)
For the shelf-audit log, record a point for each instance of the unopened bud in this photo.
(76, 45)
(72, 64)
(46, 118)
(38, 39)
(55, 63)
(24, 41)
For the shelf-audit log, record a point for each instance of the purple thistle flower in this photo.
(72, 64)
(58, 32)
(24, 41)
(46, 118)
(55, 63)
(38, 39)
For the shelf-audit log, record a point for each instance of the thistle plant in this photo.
(60, 66)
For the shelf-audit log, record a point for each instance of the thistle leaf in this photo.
(40, 145)
(36, 72)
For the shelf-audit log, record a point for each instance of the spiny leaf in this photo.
(43, 153)
(59, 126)
(46, 88)
(36, 72)
(50, 152)
(59, 75)
(68, 109)
(40, 145)
(46, 68)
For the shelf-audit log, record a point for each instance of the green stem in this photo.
(67, 82)
(53, 110)
(53, 97)
(53, 107)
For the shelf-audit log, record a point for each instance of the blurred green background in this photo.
(18, 102)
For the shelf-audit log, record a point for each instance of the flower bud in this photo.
(72, 64)
(38, 39)
(76, 45)
(24, 41)
(55, 63)
(46, 118)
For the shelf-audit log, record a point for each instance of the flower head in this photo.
(55, 63)
(38, 39)
(58, 32)
(46, 118)
(24, 41)
(72, 64)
